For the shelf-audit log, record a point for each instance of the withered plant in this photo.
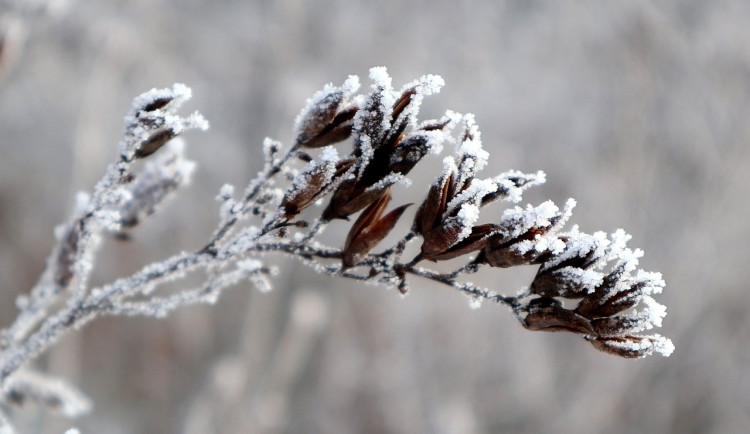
(587, 284)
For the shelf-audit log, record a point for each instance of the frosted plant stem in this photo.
(587, 284)
(256, 185)
(47, 290)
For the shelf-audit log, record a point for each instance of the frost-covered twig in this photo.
(608, 300)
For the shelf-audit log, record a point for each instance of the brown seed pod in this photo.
(369, 229)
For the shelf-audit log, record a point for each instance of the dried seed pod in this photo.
(618, 293)
(337, 130)
(152, 122)
(347, 201)
(402, 102)
(568, 282)
(157, 139)
(433, 207)
(408, 153)
(327, 118)
(503, 253)
(370, 229)
(311, 183)
(160, 178)
(477, 240)
(456, 222)
(619, 325)
(634, 347)
(552, 317)
(383, 152)
(318, 115)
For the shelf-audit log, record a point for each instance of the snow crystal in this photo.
(655, 312)
(329, 154)
(270, 146)
(474, 194)
(647, 344)
(364, 145)
(249, 265)
(520, 221)
(226, 192)
(530, 217)
(590, 279)
(380, 78)
(431, 84)
(580, 244)
(509, 181)
(662, 345)
(654, 279)
(475, 302)
(261, 283)
(467, 217)
(81, 201)
(619, 239)
(449, 166)
(388, 180)
(435, 141)
(351, 84)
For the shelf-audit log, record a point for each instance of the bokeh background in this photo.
(637, 109)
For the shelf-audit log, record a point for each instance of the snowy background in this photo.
(637, 109)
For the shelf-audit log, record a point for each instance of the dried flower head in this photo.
(384, 151)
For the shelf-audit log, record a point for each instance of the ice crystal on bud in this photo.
(152, 121)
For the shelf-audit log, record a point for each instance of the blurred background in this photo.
(637, 109)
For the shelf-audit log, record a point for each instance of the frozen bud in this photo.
(353, 196)
(547, 314)
(619, 325)
(476, 240)
(408, 153)
(572, 272)
(407, 105)
(328, 116)
(512, 184)
(154, 142)
(618, 293)
(369, 229)
(568, 282)
(447, 217)
(156, 184)
(527, 236)
(311, 183)
(402, 102)
(433, 207)
(504, 252)
(373, 121)
(634, 347)
(152, 121)
(384, 152)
